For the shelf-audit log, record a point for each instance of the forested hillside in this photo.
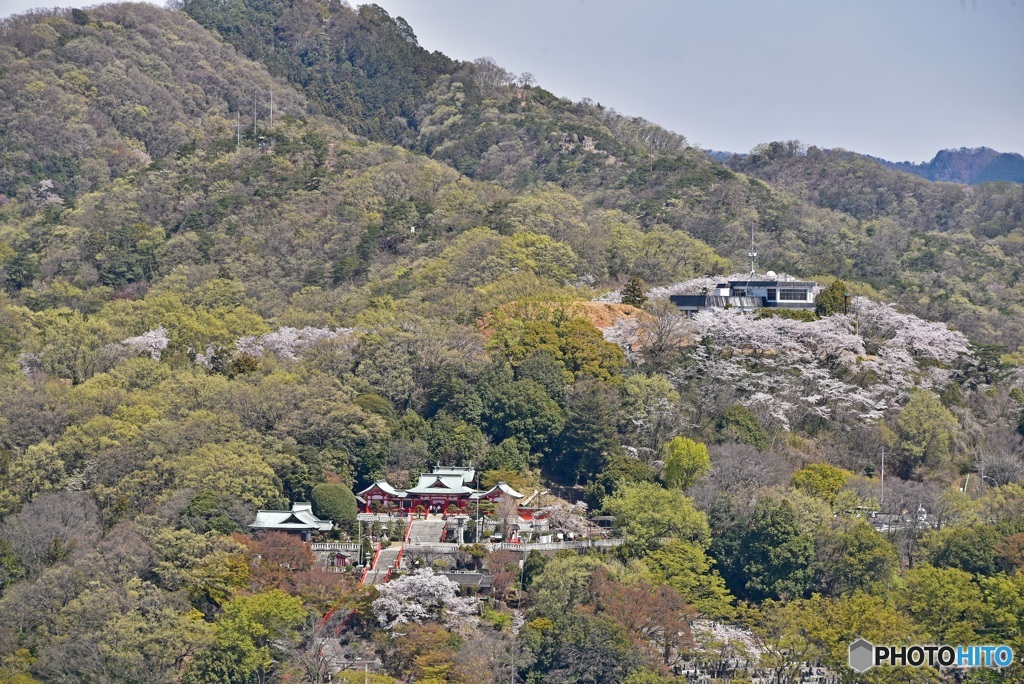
(205, 312)
(948, 253)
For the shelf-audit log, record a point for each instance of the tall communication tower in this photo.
(752, 254)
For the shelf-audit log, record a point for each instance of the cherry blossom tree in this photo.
(287, 343)
(421, 596)
(787, 371)
(153, 342)
(568, 517)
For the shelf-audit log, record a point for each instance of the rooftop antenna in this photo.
(752, 254)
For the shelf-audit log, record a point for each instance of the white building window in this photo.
(792, 295)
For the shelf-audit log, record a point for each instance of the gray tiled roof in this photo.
(300, 517)
(502, 487)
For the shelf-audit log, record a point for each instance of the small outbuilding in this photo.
(299, 520)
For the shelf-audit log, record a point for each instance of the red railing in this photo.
(398, 561)
(366, 570)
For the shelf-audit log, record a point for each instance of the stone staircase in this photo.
(385, 561)
(426, 531)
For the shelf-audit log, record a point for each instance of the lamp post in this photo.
(476, 527)
(846, 301)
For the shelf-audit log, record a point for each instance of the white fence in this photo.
(557, 546)
(507, 546)
(334, 546)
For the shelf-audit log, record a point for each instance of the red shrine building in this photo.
(443, 486)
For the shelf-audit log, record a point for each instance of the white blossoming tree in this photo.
(153, 342)
(421, 596)
(287, 343)
(787, 371)
(569, 517)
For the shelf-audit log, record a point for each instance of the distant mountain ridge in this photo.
(967, 165)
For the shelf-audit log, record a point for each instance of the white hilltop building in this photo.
(752, 292)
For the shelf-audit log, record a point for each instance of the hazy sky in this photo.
(898, 79)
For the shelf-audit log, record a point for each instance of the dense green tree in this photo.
(820, 480)
(971, 549)
(576, 344)
(455, 441)
(510, 454)
(738, 424)
(686, 461)
(833, 299)
(647, 514)
(523, 410)
(945, 602)
(686, 568)
(776, 555)
(926, 430)
(247, 634)
(562, 584)
(335, 502)
(543, 367)
(619, 471)
(208, 510)
(592, 649)
(821, 629)
(851, 558)
(590, 436)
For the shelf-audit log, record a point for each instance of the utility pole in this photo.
(881, 498)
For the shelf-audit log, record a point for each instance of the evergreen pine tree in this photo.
(831, 300)
(633, 292)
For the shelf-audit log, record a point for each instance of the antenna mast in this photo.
(752, 254)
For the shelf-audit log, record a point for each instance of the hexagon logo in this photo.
(861, 658)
